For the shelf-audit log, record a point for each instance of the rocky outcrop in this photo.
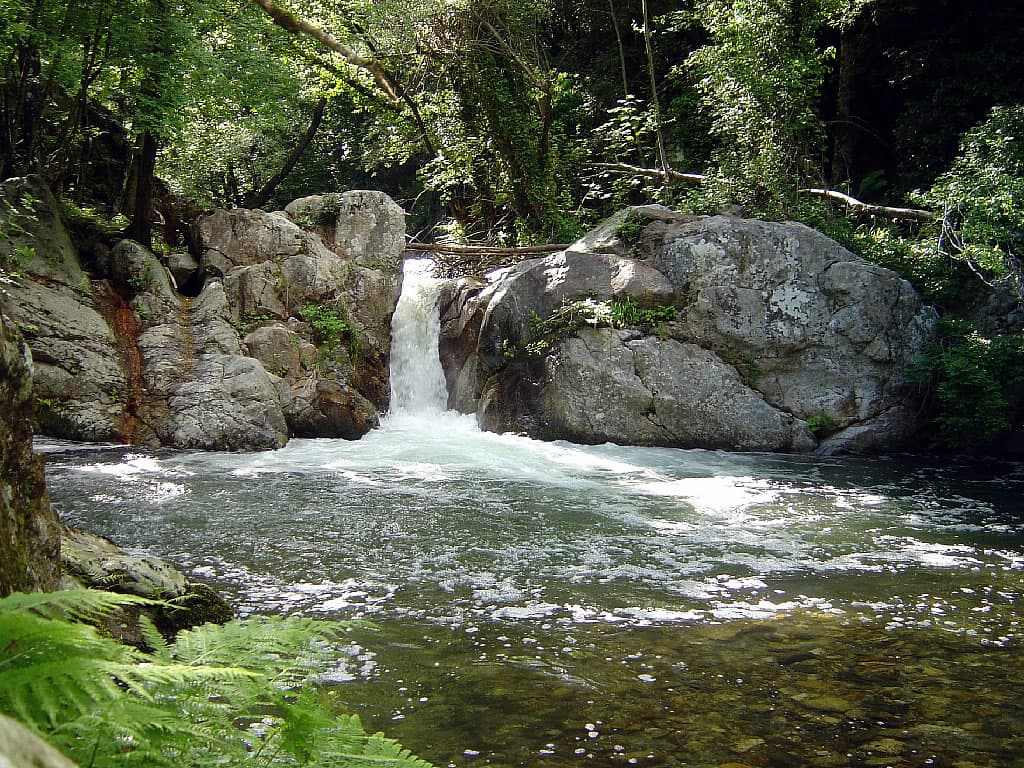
(315, 317)
(29, 531)
(95, 562)
(78, 378)
(781, 340)
(275, 331)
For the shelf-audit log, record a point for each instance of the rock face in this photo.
(94, 562)
(781, 340)
(78, 377)
(29, 531)
(315, 318)
(274, 331)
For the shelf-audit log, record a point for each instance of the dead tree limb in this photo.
(474, 250)
(652, 173)
(881, 211)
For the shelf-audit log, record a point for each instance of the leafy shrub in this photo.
(982, 195)
(328, 325)
(619, 312)
(228, 694)
(979, 382)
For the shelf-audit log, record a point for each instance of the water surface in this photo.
(687, 607)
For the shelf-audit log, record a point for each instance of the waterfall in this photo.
(417, 379)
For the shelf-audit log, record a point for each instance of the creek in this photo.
(550, 604)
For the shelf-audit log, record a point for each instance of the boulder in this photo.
(29, 531)
(776, 328)
(279, 280)
(184, 268)
(370, 229)
(97, 563)
(615, 386)
(829, 335)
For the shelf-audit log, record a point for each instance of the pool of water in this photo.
(546, 604)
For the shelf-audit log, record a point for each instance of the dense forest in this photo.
(888, 124)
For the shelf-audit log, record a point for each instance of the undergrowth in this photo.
(243, 692)
(572, 315)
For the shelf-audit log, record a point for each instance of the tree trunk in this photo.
(843, 130)
(259, 198)
(141, 227)
(662, 155)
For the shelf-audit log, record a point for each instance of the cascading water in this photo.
(417, 379)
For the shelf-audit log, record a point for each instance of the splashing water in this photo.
(417, 379)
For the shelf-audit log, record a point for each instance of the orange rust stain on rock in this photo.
(122, 320)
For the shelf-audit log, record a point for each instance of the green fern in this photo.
(219, 695)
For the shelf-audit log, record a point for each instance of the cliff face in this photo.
(29, 531)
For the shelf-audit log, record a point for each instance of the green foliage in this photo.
(979, 382)
(250, 321)
(759, 78)
(14, 220)
(821, 424)
(228, 694)
(982, 195)
(746, 366)
(620, 312)
(330, 329)
(630, 229)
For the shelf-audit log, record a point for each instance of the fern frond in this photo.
(77, 603)
(152, 639)
(220, 695)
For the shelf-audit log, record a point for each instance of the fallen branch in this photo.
(652, 173)
(881, 211)
(473, 250)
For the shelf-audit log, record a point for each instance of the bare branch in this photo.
(881, 211)
(652, 173)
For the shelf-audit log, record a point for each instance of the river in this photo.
(549, 604)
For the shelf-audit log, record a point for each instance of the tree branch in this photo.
(881, 211)
(653, 173)
(288, 21)
(257, 199)
(473, 250)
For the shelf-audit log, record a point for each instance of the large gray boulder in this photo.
(610, 385)
(779, 333)
(29, 531)
(312, 311)
(364, 225)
